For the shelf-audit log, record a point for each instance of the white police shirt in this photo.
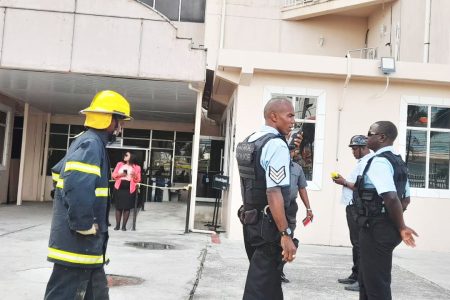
(380, 174)
(347, 194)
(275, 159)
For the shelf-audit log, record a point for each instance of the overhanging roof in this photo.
(68, 93)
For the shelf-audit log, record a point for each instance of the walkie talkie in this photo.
(294, 134)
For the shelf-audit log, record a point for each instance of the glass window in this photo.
(182, 170)
(136, 143)
(417, 116)
(193, 11)
(162, 135)
(183, 148)
(58, 141)
(2, 142)
(3, 117)
(54, 156)
(416, 141)
(305, 118)
(59, 128)
(136, 133)
(162, 144)
(148, 2)
(439, 160)
(440, 117)
(184, 136)
(428, 147)
(76, 129)
(169, 8)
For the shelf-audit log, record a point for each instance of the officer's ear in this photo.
(273, 116)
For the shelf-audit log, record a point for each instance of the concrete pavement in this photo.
(197, 268)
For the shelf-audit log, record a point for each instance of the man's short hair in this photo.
(273, 105)
(388, 129)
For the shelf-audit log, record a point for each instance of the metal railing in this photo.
(364, 53)
(291, 3)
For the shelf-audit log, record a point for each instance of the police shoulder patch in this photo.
(277, 175)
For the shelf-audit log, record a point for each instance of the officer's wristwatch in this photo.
(286, 232)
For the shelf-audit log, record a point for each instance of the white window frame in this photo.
(418, 100)
(6, 142)
(269, 91)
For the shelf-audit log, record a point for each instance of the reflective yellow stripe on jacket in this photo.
(82, 167)
(55, 176)
(99, 192)
(74, 257)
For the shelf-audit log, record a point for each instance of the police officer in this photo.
(361, 152)
(381, 196)
(263, 161)
(79, 230)
(298, 187)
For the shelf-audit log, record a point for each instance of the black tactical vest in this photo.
(367, 200)
(253, 178)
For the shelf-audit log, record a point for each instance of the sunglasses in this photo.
(372, 133)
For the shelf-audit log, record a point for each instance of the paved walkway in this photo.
(197, 268)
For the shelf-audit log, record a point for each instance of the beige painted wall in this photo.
(412, 30)
(141, 41)
(396, 29)
(4, 170)
(360, 110)
(440, 32)
(256, 25)
(339, 33)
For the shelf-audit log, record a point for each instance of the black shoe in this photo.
(116, 228)
(349, 280)
(124, 229)
(284, 279)
(353, 287)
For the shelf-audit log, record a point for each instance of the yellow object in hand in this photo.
(334, 175)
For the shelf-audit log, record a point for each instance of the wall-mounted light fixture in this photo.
(387, 65)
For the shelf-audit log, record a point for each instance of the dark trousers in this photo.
(377, 242)
(249, 249)
(77, 283)
(353, 227)
(263, 277)
(158, 195)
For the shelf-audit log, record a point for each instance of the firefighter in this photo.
(381, 196)
(264, 167)
(79, 230)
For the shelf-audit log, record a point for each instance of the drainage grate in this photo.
(150, 245)
(119, 280)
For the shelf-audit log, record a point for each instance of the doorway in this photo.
(208, 199)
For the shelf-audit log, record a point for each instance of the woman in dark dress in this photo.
(126, 174)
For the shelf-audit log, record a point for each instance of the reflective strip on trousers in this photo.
(101, 192)
(74, 257)
(82, 167)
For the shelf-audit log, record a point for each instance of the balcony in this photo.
(292, 10)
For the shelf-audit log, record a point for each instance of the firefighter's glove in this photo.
(93, 230)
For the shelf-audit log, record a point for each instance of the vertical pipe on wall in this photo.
(26, 114)
(222, 23)
(45, 158)
(426, 39)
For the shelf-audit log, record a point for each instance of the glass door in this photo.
(160, 171)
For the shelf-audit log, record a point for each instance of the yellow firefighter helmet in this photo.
(103, 106)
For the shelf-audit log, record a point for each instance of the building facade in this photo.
(198, 74)
(326, 57)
